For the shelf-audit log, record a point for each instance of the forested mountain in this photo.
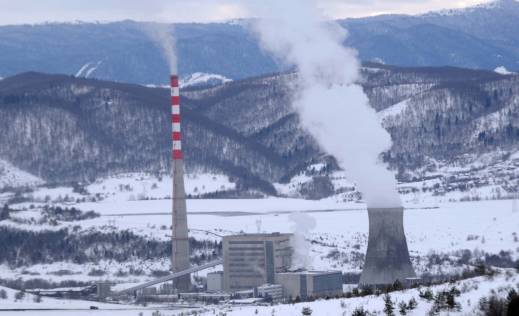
(63, 128)
(481, 37)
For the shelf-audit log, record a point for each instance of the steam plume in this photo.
(161, 34)
(332, 107)
(302, 225)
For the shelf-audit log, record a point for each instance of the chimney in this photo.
(180, 241)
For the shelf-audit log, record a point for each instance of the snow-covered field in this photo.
(341, 228)
(435, 227)
(29, 301)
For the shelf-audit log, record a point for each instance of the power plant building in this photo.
(252, 260)
(215, 281)
(305, 284)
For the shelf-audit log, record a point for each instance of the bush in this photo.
(3, 294)
(402, 308)
(160, 273)
(19, 295)
(427, 294)
(96, 272)
(20, 284)
(492, 306)
(359, 311)
(4, 212)
(412, 304)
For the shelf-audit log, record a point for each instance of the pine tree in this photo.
(412, 304)
(4, 212)
(388, 306)
(402, 308)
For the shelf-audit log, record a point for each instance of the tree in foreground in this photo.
(388, 306)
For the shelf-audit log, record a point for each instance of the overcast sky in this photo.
(37, 11)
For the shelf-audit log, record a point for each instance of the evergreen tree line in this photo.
(23, 247)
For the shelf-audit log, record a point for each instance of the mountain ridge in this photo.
(77, 129)
(480, 37)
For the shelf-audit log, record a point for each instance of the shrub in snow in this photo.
(492, 306)
(426, 294)
(359, 311)
(412, 304)
(96, 272)
(402, 308)
(4, 212)
(19, 295)
(3, 294)
(446, 300)
(307, 311)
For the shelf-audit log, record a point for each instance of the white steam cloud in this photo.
(332, 107)
(302, 225)
(162, 35)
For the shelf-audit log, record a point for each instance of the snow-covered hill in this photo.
(12, 177)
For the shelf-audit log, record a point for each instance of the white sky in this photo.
(37, 11)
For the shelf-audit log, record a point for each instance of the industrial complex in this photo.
(259, 266)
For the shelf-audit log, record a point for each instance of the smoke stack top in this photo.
(176, 135)
(332, 107)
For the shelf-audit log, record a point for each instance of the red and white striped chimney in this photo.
(179, 236)
(175, 119)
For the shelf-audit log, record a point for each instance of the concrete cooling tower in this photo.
(387, 257)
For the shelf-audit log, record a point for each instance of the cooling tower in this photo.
(180, 241)
(387, 257)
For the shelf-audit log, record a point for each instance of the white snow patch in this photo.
(394, 110)
(503, 71)
(92, 69)
(87, 69)
(202, 78)
(142, 186)
(10, 176)
(79, 73)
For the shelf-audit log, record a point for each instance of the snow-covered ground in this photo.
(10, 176)
(29, 301)
(437, 226)
(133, 187)
(471, 292)
(337, 242)
(341, 228)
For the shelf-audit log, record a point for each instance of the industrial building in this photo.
(305, 284)
(252, 260)
(215, 281)
(270, 292)
(387, 256)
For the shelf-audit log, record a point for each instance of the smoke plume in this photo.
(302, 225)
(162, 35)
(331, 105)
